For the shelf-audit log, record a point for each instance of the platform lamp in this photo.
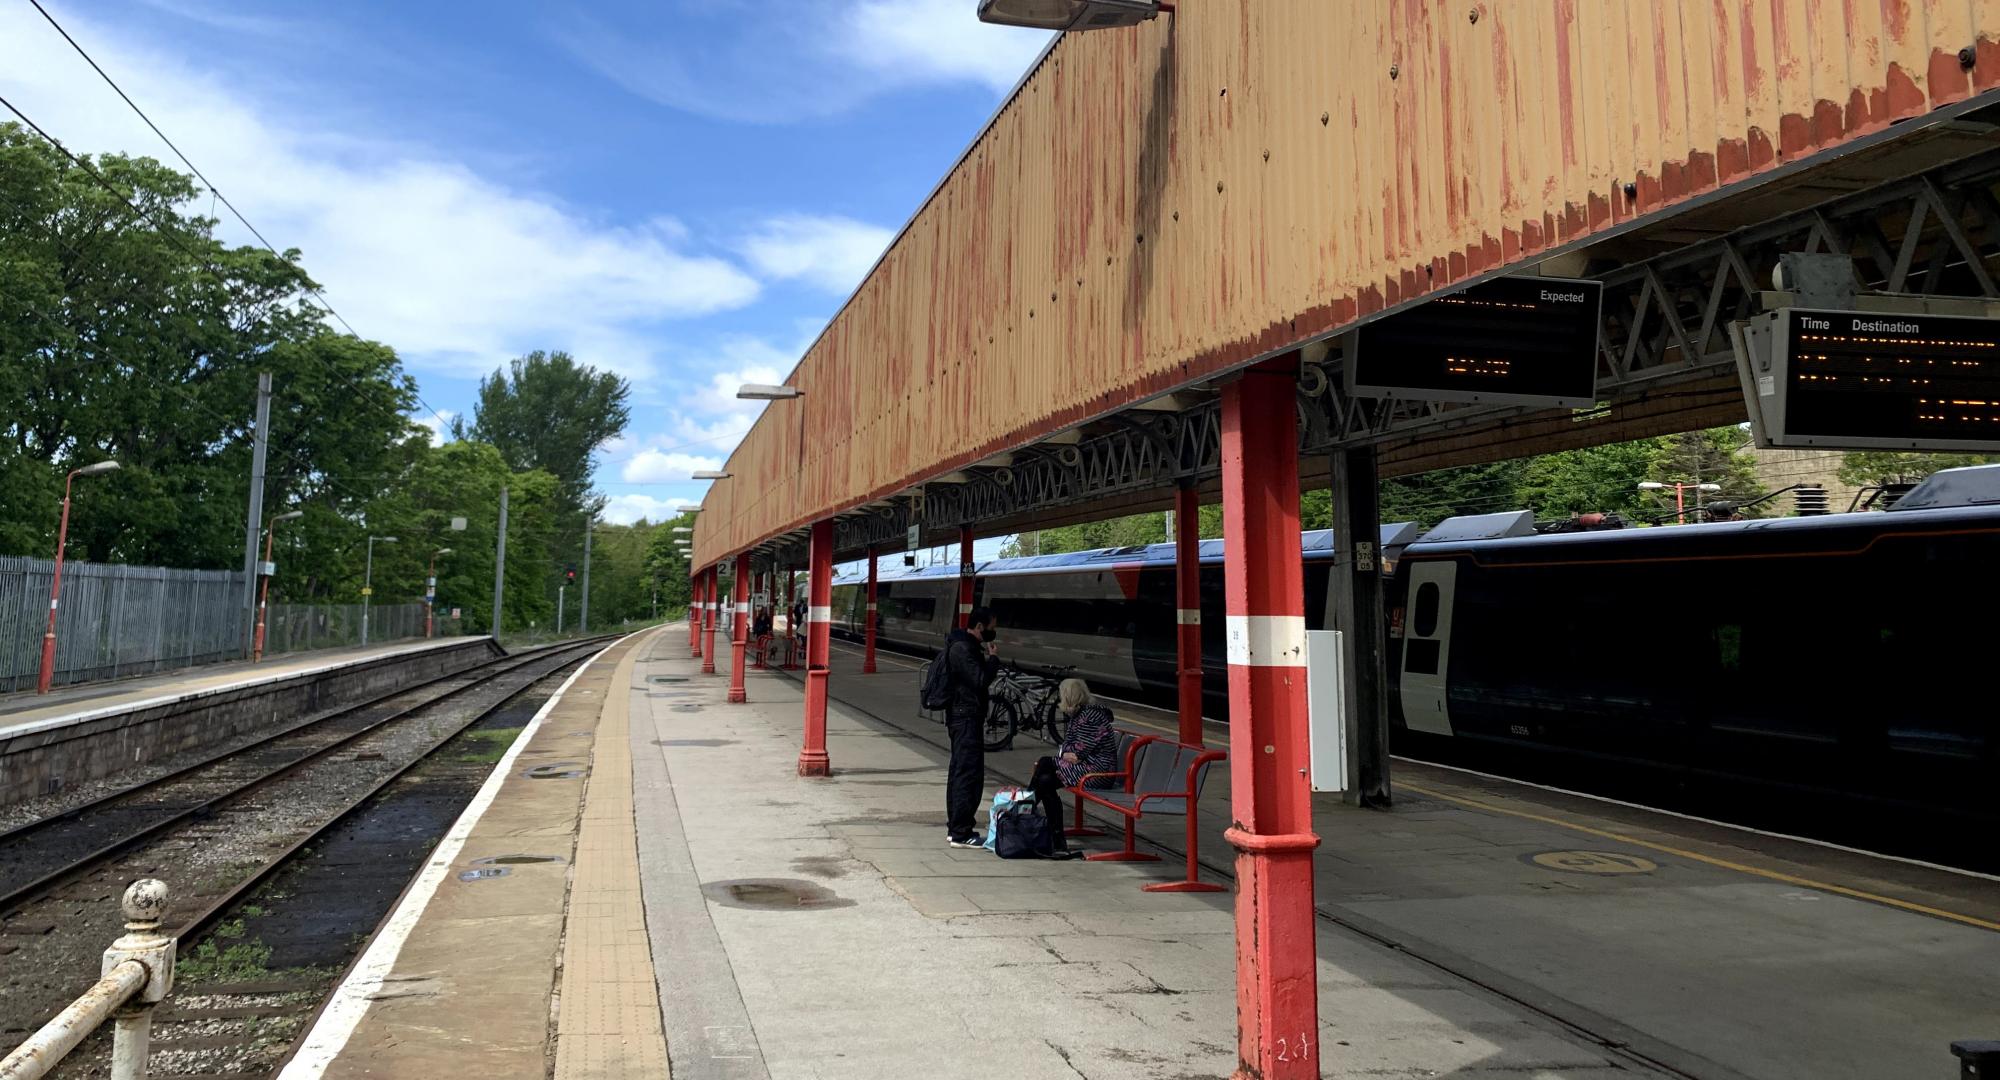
(264, 573)
(48, 672)
(431, 592)
(1070, 14)
(764, 392)
(712, 474)
(368, 582)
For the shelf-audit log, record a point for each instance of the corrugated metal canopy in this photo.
(1158, 205)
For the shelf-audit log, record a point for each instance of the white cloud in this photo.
(436, 423)
(665, 467)
(833, 253)
(456, 270)
(780, 61)
(626, 509)
(935, 41)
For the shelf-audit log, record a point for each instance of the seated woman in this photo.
(1091, 746)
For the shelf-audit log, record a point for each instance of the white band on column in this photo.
(1189, 616)
(871, 607)
(743, 607)
(819, 614)
(1266, 640)
(965, 609)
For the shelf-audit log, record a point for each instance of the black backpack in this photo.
(936, 687)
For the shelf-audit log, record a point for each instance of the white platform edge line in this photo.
(103, 711)
(350, 1000)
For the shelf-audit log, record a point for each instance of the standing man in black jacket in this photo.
(970, 665)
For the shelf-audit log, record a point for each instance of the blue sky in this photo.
(682, 191)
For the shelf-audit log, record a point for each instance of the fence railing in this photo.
(138, 973)
(117, 620)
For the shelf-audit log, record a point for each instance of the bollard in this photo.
(1978, 1059)
(145, 905)
(138, 972)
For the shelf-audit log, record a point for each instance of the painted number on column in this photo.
(1294, 1051)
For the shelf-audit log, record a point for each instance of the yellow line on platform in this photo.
(1774, 875)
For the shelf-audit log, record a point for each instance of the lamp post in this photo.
(368, 583)
(1681, 489)
(264, 583)
(48, 671)
(431, 592)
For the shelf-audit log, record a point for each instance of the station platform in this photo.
(27, 711)
(51, 743)
(645, 880)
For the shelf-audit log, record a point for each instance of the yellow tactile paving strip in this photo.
(608, 1018)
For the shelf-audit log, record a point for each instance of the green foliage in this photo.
(1429, 498)
(548, 412)
(1873, 467)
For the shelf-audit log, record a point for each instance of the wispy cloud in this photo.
(832, 253)
(455, 269)
(628, 508)
(782, 61)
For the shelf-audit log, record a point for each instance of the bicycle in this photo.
(1024, 701)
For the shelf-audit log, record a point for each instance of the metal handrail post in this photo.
(138, 972)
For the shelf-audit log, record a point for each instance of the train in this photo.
(1822, 676)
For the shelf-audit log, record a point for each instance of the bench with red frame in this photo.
(1161, 776)
(760, 650)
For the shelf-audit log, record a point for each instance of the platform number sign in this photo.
(1513, 340)
(1855, 380)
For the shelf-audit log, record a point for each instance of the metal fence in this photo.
(118, 620)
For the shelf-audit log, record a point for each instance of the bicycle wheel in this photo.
(1051, 725)
(1001, 722)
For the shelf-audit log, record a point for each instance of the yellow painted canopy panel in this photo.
(1157, 205)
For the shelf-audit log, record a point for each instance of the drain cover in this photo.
(484, 872)
(558, 770)
(686, 708)
(668, 678)
(516, 860)
(1594, 862)
(773, 894)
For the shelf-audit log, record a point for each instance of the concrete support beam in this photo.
(1354, 607)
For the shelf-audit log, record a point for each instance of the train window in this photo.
(1424, 618)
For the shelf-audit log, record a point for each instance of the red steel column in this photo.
(868, 635)
(708, 624)
(695, 602)
(739, 630)
(1187, 599)
(819, 650)
(964, 575)
(1277, 992)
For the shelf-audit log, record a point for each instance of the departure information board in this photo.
(1515, 340)
(1867, 380)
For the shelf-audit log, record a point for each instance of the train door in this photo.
(1427, 645)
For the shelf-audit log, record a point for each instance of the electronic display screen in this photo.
(1869, 376)
(1520, 340)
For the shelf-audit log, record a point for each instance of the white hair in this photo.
(1073, 695)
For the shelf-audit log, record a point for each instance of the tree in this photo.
(668, 568)
(1712, 456)
(1592, 480)
(1428, 498)
(1869, 468)
(548, 412)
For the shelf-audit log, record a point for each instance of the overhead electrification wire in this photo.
(317, 295)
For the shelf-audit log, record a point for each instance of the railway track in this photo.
(219, 829)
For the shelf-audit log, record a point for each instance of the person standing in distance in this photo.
(970, 664)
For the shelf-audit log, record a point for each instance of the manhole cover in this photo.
(558, 770)
(773, 894)
(516, 860)
(667, 678)
(484, 872)
(1594, 862)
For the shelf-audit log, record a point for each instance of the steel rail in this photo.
(18, 896)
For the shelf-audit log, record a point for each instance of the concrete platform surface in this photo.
(23, 713)
(1712, 950)
(797, 928)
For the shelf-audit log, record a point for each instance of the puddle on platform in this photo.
(516, 860)
(484, 872)
(555, 770)
(820, 866)
(684, 708)
(694, 742)
(667, 678)
(773, 894)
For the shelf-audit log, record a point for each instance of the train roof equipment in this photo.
(1972, 485)
(1509, 523)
